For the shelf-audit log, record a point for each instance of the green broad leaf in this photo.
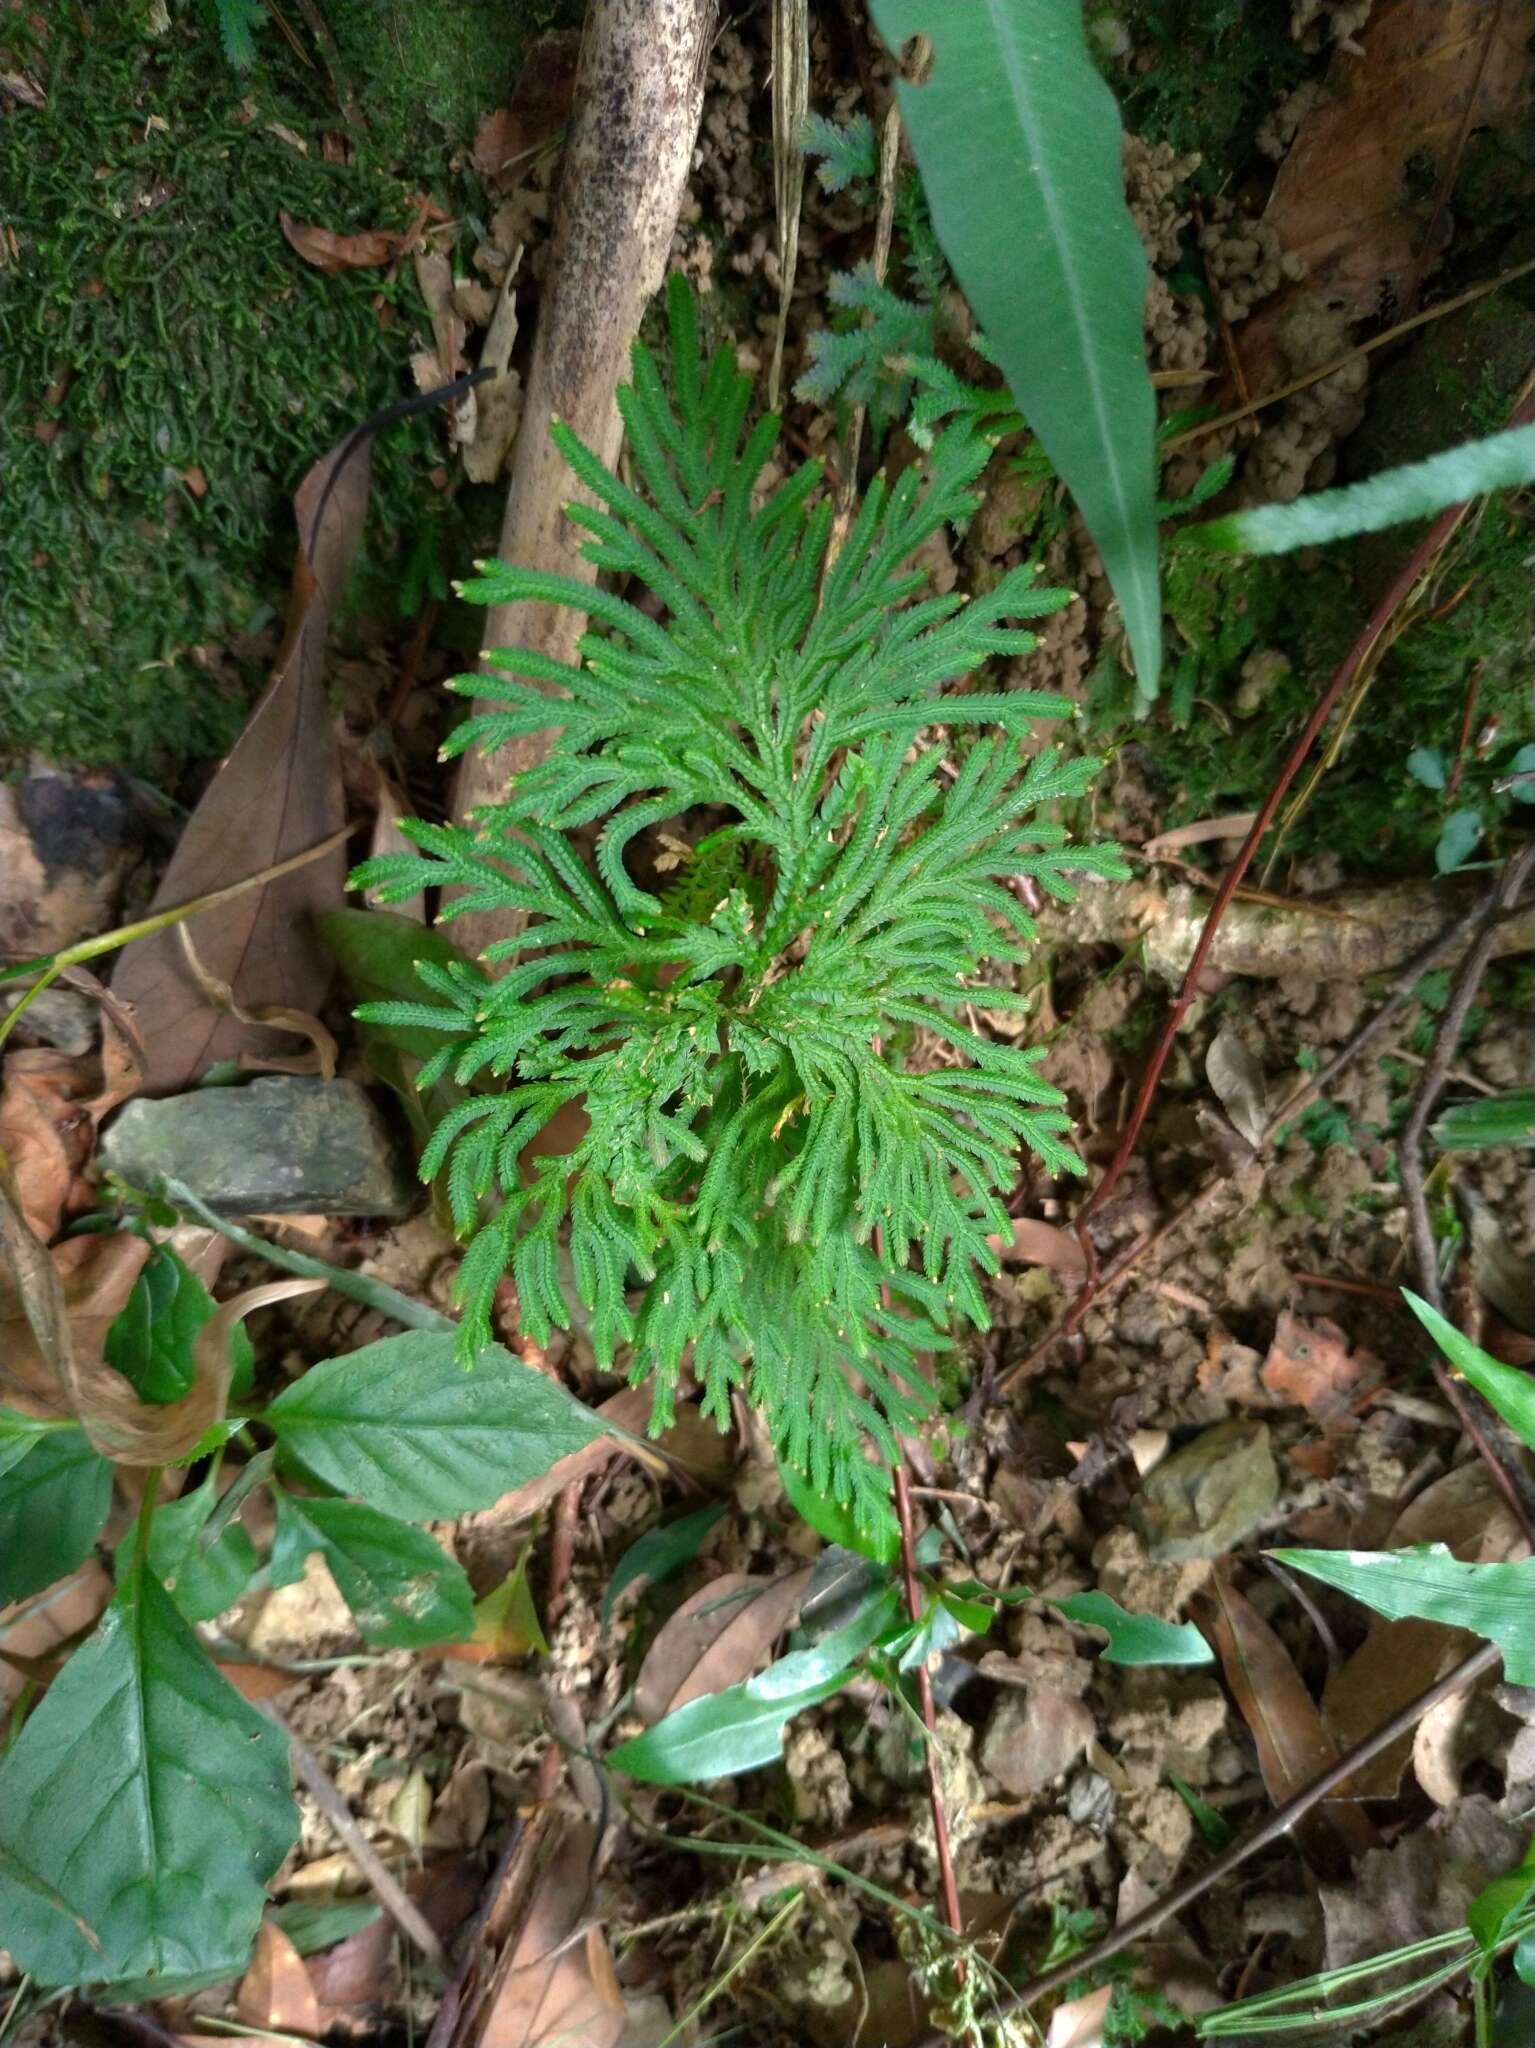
(1136, 1638)
(312, 1924)
(1428, 766)
(879, 1541)
(1020, 147)
(202, 1579)
(1460, 838)
(1502, 1386)
(1500, 1903)
(659, 1553)
(1213, 1825)
(1492, 1600)
(149, 1798)
(1524, 1960)
(377, 951)
(21, 1434)
(1507, 1119)
(1417, 490)
(741, 1728)
(403, 1588)
(53, 1500)
(407, 1428)
(150, 1341)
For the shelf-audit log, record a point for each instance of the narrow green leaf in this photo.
(150, 1341)
(53, 1501)
(1497, 1904)
(878, 1540)
(403, 1588)
(150, 1798)
(407, 1428)
(1213, 1825)
(1507, 1119)
(202, 1580)
(1020, 147)
(1417, 490)
(1504, 1387)
(1492, 1600)
(1136, 1638)
(314, 1924)
(660, 1552)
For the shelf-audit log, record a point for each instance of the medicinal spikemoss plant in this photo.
(804, 1209)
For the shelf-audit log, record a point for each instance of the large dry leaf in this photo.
(719, 1637)
(277, 794)
(331, 252)
(1361, 196)
(275, 1993)
(67, 843)
(1293, 1742)
(1310, 1364)
(536, 112)
(46, 1132)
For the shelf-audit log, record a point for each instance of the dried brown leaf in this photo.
(537, 110)
(1293, 1742)
(277, 794)
(1037, 1243)
(275, 1993)
(71, 1608)
(45, 1132)
(1360, 196)
(1236, 1075)
(1236, 826)
(1310, 1365)
(719, 1637)
(1080, 2022)
(332, 253)
(555, 1982)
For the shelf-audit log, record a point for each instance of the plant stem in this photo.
(785, 1913)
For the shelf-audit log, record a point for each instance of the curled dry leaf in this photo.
(1293, 1741)
(1236, 1075)
(322, 1056)
(1236, 826)
(277, 794)
(275, 1993)
(1037, 1243)
(1310, 1365)
(719, 1637)
(332, 253)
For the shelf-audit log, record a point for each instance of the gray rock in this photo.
(1204, 1499)
(1033, 1737)
(287, 1144)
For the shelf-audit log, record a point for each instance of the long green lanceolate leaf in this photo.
(55, 1490)
(1492, 1600)
(143, 1808)
(1504, 1387)
(1417, 490)
(1020, 147)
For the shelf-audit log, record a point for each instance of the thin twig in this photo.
(1279, 1823)
(929, 1717)
(1379, 621)
(402, 1910)
(1119, 1269)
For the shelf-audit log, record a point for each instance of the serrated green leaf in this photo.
(202, 1579)
(1136, 1638)
(1507, 1119)
(1020, 147)
(402, 1587)
(407, 1428)
(875, 1536)
(1492, 1600)
(660, 1552)
(150, 1798)
(1416, 490)
(1504, 1387)
(53, 1500)
(150, 1341)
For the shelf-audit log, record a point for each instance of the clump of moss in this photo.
(169, 367)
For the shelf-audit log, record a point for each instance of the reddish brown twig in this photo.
(1279, 1823)
(1468, 713)
(1423, 554)
(929, 1717)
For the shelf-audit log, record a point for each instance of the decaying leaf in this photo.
(1236, 1075)
(46, 1133)
(536, 112)
(321, 1058)
(1360, 198)
(718, 1638)
(69, 1611)
(1310, 1365)
(278, 793)
(1292, 1740)
(275, 1993)
(1080, 2022)
(1037, 1243)
(331, 252)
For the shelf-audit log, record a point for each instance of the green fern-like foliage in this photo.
(771, 1187)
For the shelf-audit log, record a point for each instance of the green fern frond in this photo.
(771, 1190)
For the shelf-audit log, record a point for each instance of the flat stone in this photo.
(1204, 1499)
(287, 1144)
(1033, 1737)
